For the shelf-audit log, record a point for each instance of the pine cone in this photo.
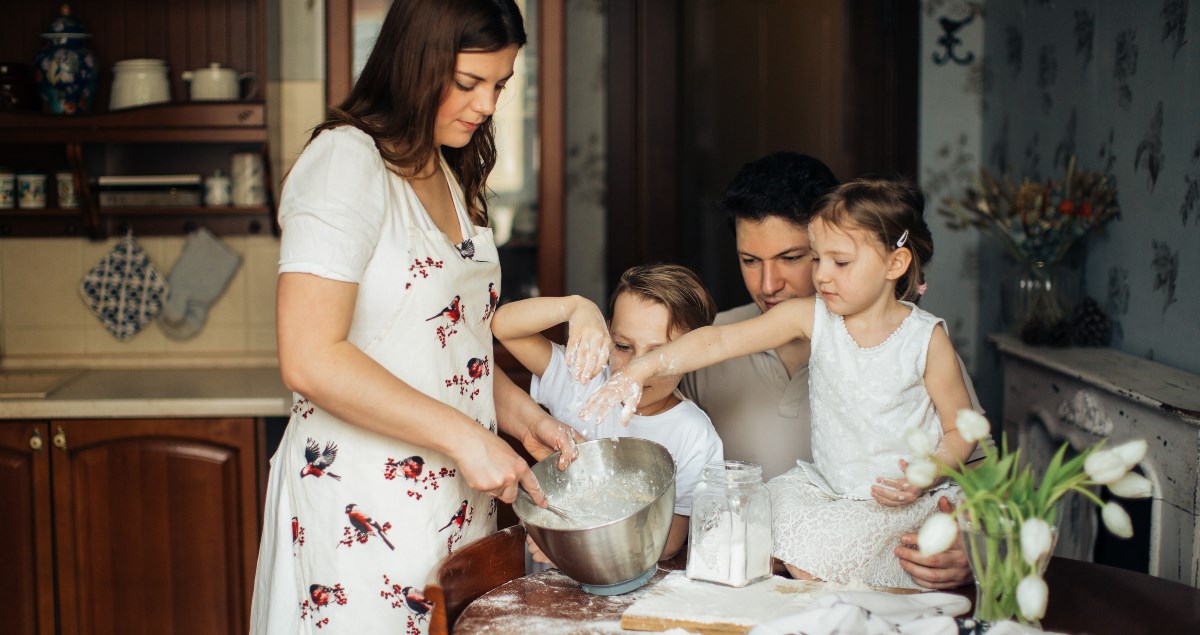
(1089, 324)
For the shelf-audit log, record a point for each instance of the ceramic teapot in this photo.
(216, 83)
(139, 82)
(65, 71)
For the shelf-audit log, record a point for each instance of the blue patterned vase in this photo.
(65, 70)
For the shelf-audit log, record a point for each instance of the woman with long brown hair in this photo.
(388, 279)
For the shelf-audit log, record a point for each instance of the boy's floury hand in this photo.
(588, 341)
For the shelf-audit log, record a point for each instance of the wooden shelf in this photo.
(214, 122)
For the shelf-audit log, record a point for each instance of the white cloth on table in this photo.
(864, 401)
(685, 431)
(876, 613)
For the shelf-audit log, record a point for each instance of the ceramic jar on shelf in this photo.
(65, 70)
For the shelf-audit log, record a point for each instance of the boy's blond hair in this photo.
(689, 304)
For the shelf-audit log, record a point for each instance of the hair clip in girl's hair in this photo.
(903, 239)
(922, 288)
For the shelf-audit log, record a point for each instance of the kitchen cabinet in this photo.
(154, 525)
(179, 137)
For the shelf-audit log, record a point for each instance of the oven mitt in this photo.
(124, 289)
(198, 278)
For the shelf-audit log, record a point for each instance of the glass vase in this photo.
(1038, 302)
(993, 546)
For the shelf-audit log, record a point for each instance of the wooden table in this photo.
(1084, 598)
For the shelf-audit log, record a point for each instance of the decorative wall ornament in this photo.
(1174, 17)
(1125, 66)
(1166, 270)
(1013, 45)
(949, 41)
(1085, 34)
(1117, 302)
(1191, 195)
(999, 154)
(1066, 147)
(1151, 147)
(1106, 152)
(1047, 75)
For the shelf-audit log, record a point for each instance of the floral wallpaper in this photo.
(1116, 84)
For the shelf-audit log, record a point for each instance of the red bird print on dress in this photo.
(410, 467)
(458, 518)
(365, 525)
(493, 300)
(319, 460)
(416, 602)
(453, 312)
(322, 595)
(476, 367)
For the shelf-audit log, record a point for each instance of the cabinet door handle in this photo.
(35, 441)
(60, 439)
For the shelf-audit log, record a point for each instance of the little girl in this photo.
(880, 368)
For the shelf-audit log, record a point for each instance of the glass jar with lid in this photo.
(729, 535)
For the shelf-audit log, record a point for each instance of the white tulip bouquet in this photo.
(1007, 516)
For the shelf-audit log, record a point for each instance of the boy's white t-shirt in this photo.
(685, 431)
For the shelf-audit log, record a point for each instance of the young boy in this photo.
(651, 305)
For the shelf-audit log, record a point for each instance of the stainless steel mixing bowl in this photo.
(616, 552)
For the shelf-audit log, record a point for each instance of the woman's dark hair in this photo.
(411, 66)
(885, 209)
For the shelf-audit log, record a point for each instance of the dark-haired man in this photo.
(759, 403)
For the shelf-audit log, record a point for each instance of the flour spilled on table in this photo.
(676, 598)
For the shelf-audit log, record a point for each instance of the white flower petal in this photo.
(1104, 467)
(1032, 597)
(1117, 520)
(1131, 453)
(918, 443)
(1035, 539)
(972, 426)
(1132, 485)
(937, 534)
(921, 473)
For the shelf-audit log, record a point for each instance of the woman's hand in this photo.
(490, 466)
(588, 341)
(547, 436)
(619, 389)
(896, 492)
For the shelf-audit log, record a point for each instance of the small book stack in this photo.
(159, 190)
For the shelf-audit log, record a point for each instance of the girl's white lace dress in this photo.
(863, 400)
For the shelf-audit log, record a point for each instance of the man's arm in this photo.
(946, 570)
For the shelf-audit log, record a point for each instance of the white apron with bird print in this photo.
(355, 521)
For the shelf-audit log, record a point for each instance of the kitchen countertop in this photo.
(145, 393)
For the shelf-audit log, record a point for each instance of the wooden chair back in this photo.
(471, 571)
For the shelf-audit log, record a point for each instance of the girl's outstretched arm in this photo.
(944, 381)
(787, 321)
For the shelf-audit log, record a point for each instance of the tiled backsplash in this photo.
(42, 316)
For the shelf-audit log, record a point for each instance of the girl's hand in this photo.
(619, 389)
(588, 341)
(896, 492)
(547, 436)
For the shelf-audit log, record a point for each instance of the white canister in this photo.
(217, 83)
(249, 189)
(8, 189)
(31, 191)
(139, 82)
(217, 190)
(65, 189)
